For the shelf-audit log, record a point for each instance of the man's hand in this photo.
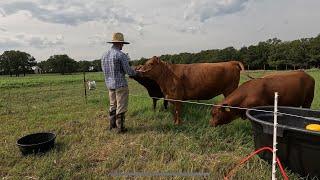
(138, 74)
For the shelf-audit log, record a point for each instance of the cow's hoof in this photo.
(177, 122)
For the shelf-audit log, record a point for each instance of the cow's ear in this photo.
(157, 59)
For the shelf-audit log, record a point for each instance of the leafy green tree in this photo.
(5, 65)
(96, 64)
(138, 62)
(62, 64)
(84, 66)
(229, 53)
(16, 62)
(279, 56)
(314, 51)
(297, 52)
(45, 66)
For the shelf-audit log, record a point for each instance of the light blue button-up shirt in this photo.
(115, 64)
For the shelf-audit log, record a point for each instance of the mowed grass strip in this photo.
(86, 149)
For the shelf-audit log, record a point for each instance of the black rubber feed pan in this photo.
(36, 143)
(298, 148)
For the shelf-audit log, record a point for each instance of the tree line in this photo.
(17, 62)
(270, 54)
(64, 64)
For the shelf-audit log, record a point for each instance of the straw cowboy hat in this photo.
(118, 38)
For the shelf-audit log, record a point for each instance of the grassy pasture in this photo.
(85, 149)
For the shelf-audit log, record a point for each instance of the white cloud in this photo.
(3, 29)
(188, 28)
(72, 12)
(97, 39)
(43, 42)
(261, 28)
(202, 10)
(2, 13)
(152, 27)
(8, 43)
(26, 40)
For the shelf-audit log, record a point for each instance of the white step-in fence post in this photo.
(275, 123)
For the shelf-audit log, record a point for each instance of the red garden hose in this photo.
(229, 175)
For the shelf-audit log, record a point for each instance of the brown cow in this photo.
(198, 81)
(295, 89)
(153, 89)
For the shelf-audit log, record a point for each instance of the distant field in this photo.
(35, 80)
(85, 149)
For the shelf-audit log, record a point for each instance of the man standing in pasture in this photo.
(115, 64)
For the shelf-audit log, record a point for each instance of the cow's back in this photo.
(207, 80)
(294, 88)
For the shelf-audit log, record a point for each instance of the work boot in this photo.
(120, 123)
(112, 119)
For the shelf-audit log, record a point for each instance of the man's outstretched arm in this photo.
(125, 65)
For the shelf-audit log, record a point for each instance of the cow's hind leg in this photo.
(308, 101)
(165, 104)
(177, 113)
(309, 97)
(154, 104)
(174, 111)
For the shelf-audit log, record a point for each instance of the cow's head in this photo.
(221, 115)
(152, 68)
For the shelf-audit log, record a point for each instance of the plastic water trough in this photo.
(298, 148)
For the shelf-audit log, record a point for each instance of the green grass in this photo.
(44, 80)
(85, 149)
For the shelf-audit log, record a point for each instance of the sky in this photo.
(81, 28)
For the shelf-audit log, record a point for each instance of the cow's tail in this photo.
(242, 69)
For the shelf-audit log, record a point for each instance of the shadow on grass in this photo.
(59, 147)
(140, 111)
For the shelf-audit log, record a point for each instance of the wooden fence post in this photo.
(84, 85)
